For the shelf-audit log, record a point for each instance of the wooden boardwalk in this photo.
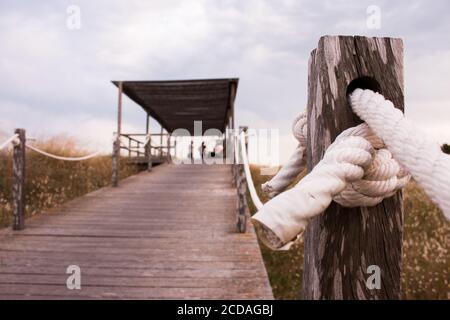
(167, 234)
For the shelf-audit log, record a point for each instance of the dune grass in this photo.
(426, 260)
(51, 182)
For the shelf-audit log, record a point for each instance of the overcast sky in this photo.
(55, 79)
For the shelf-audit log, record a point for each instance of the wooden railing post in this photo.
(18, 183)
(116, 143)
(148, 152)
(344, 247)
(115, 160)
(148, 146)
(161, 142)
(241, 184)
(169, 147)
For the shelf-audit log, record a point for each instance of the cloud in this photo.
(54, 79)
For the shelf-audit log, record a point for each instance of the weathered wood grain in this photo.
(241, 186)
(170, 233)
(18, 183)
(341, 243)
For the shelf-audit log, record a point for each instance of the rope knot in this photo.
(382, 177)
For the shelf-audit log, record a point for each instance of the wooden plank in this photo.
(10, 291)
(136, 241)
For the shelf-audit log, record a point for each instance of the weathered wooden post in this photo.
(115, 160)
(342, 243)
(148, 144)
(18, 183)
(161, 142)
(242, 189)
(169, 158)
(116, 143)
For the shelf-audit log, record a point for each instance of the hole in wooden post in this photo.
(363, 83)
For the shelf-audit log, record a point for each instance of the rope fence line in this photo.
(54, 156)
(248, 175)
(8, 141)
(13, 140)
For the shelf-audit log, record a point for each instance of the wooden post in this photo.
(119, 109)
(242, 192)
(18, 184)
(232, 98)
(148, 146)
(116, 143)
(234, 164)
(115, 160)
(161, 142)
(342, 243)
(169, 147)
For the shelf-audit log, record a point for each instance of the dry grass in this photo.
(426, 258)
(51, 182)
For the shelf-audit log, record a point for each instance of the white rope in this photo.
(90, 156)
(8, 141)
(381, 180)
(296, 163)
(248, 175)
(357, 170)
(413, 149)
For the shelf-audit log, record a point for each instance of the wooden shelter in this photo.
(174, 104)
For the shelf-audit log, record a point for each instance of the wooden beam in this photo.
(169, 146)
(148, 146)
(342, 243)
(116, 143)
(161, 141)
(119, 109)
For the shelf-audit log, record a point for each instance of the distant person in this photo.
(191, 152)
(202, 150)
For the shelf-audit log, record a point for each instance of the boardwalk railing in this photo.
(141, 149)
(136, 147)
